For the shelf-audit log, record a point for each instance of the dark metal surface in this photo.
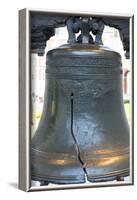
(83, 132)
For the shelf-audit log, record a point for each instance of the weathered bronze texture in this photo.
(83, 132)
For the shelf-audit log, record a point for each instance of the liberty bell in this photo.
(83, 133)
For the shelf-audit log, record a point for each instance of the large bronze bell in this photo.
(83, 132)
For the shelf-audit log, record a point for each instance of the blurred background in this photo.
(111, 39)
